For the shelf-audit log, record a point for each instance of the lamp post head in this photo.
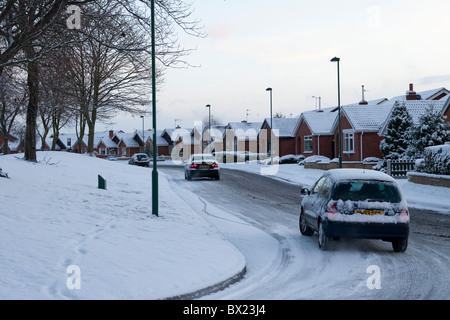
(269, 89)
(208, 106)
(335, 59)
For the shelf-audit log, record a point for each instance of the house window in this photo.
(308, 144)
(124, 151)
(349, 142)
(103, 151)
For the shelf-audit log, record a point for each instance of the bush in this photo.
(436, 160)
(290, 158)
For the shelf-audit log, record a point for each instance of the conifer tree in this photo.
(396, 140)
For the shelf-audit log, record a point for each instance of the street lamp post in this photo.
(209, 124)
(336, 59)
(271, 127)
(143, 134)
(155, 207)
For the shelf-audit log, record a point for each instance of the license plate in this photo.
(369, 212)
(204, 166)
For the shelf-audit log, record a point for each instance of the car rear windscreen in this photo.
(363, 190)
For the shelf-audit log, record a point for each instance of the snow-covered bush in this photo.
(313, 159)
(436, 160)
(432, 130)
(290, 158)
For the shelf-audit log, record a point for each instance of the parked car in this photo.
(140, 159)
(202, 165)
(355, 203)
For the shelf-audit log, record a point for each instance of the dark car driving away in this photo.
(355, 203)
(201, 165)
(140, 159)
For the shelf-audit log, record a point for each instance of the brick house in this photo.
(285, 134)
(127, 143)
(242, 137)
(162, 145)
(314, 135)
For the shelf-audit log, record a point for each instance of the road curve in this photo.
(302, 270)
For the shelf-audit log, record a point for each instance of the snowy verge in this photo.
(63, 238)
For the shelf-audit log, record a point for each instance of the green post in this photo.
(101, 182)
(336, 59)
(155, 150)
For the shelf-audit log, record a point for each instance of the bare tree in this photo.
(23, 23)
(12, 100)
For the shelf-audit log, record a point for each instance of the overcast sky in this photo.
(288, 44)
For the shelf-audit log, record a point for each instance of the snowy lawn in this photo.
(417, 195)
(63, 238)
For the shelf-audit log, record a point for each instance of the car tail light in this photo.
(215, 165)
(404, 215)
(193, 165)
(331, 209)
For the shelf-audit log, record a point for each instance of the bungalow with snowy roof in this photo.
(314, 135)
(162, 145)
(285, 135)
(105, 145)
(418, 103)
(185, 141)
(360, 124)
(127, 143)
(213, 138)
(242, 137)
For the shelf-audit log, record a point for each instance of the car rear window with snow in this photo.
(365, 190)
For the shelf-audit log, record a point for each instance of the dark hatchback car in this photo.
(140, 159)
(355, 203)
(201, 165)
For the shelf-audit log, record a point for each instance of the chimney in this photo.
(111, 134)
(411, 94)
(363, 102)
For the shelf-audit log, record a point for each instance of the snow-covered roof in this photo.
(160, 141)
(245, 130)
(320, 122)
(416, 108)
(287, 127)
(108, 142)
(128, 139)
(426, 95)
(367, 117)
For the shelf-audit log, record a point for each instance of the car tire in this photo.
(217, 177)
(304, 228)
(324, 240)
(400, 245)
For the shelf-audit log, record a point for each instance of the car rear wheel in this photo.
(324, 240)
(304, 228)
(400, 245)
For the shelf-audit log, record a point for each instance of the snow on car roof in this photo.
(358, 174)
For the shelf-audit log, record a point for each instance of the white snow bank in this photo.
(54, 217)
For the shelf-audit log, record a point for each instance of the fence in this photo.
(399, 168)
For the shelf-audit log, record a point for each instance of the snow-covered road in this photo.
(282, 264)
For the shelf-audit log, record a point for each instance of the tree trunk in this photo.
(32, 107)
